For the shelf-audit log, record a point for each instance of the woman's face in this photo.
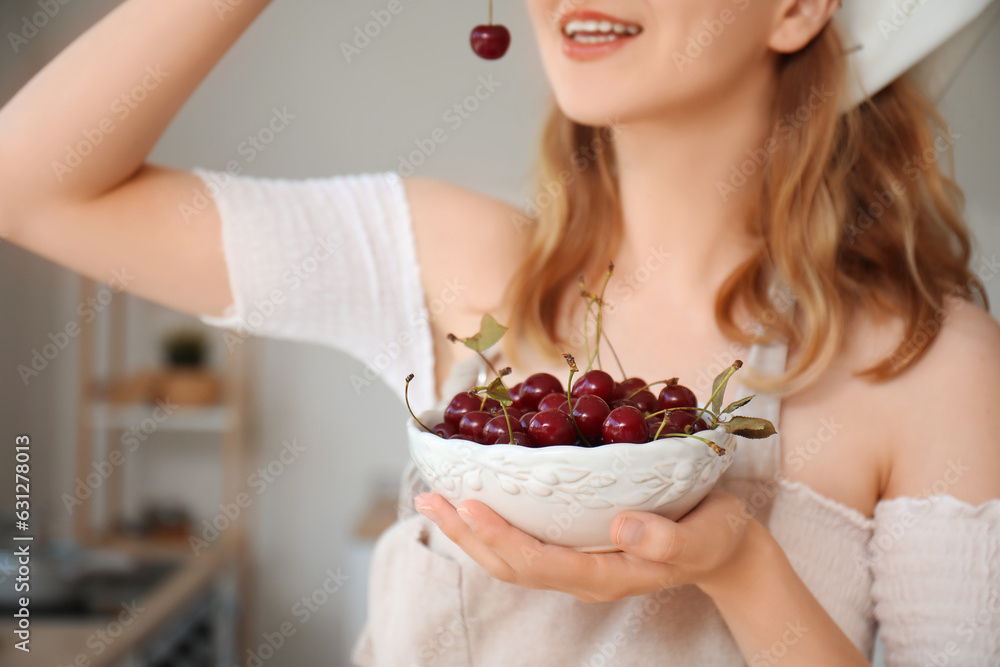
(662, 55)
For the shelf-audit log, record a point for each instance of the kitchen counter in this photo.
(88, 642)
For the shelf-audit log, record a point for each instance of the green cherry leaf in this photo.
(719, 385)
(754, 428)
(490, 332)
(498, 392)
(736, 405)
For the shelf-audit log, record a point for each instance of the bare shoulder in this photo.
(945, 411)
(469, 246)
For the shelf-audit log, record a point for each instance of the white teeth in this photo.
(598, 31)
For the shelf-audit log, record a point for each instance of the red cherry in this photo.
(489, 404)
(512, 411)
(460, 404)
(490, 41)
(552, 427)
(526, 419)
(644, 400)
(653, 426)
(625, 424)
(445, 430)
(627, 387)
(554, 402)
(595, 383)
(676, 396)
(472, 423)
(523, 439)
(678, 420)
(496, 431)
(537, 387)
(590, 412)
(515, 396)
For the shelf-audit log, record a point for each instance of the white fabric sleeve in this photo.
(936, 570)
(330, 261)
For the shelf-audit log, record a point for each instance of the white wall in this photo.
(350, 117)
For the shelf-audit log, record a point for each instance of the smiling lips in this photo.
(591, 35)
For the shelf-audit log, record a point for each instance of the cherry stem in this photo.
(510, 433)
(569, 396)
(491, 12)
(455, 339)
(615, 355)
(715, 448)
(600, 311)
(671, 382)
(725, 380)
(406, 397)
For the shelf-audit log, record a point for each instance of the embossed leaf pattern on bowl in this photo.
(454, 472)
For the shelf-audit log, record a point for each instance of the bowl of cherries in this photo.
(561, 461)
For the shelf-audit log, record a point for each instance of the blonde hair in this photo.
(852, 210)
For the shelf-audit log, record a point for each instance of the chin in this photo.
(624, 61)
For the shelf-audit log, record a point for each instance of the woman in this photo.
(862, 323)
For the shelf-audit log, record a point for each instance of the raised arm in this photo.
(74, 185)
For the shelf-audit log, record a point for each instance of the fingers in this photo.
(451, 523)
(532, 562)
(700, 541)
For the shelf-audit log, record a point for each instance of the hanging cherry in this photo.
(490, 41)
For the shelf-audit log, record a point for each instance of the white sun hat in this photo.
(930, 39)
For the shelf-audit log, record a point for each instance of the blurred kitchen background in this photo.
(311, 519)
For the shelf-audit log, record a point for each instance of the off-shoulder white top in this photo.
(333, 261)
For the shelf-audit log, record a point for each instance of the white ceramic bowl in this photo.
(570, 495)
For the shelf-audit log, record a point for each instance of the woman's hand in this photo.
(705, 546)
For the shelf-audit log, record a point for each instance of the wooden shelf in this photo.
(186, 418)
(116, 399)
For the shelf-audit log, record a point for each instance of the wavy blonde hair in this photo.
(852, 212)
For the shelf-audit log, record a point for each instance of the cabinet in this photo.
(109, 421)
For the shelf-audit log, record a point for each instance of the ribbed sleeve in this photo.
(330, 261)
(936, 570)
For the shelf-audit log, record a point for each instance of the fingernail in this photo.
(630, 533)
(467, 518)
(429, 512)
